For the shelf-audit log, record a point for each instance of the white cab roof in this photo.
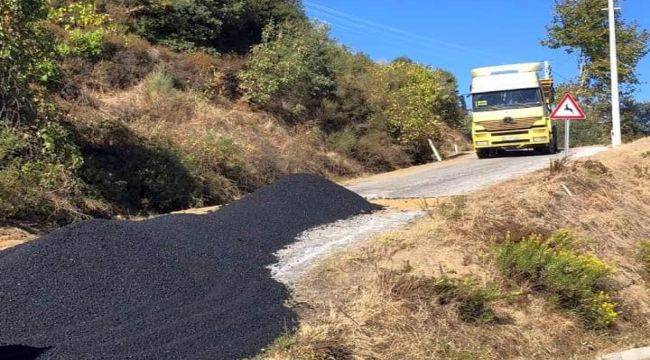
(507, 77)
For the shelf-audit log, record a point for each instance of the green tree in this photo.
(221, 25)
(581, 26)
(416, 100)
(292, 70)
(25, 59)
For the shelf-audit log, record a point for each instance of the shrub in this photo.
(214, 25)
(158, 82)
(128, 64)
(25, 59)
(577, 281)
(473, 300)
(377, 152)
(83, 43)
(134, 173)
(415, 99)
(291, 71)
(342, 141)
(37, 173)
(77, 15)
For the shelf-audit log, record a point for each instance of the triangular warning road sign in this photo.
(568, 109)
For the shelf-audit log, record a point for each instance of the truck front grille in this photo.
(511, 141)
(498, 125)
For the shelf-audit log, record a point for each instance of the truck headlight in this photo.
(540, 139)
(482, 143)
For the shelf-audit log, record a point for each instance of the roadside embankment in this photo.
(549, 265)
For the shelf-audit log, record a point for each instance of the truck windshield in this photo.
(508, 99)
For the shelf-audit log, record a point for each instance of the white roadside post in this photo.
(567, 110)
(616, 111)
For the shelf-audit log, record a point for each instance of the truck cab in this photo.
(511, 107)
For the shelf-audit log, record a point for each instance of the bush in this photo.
(133, 173)
(26, 61)
(37, 173)
(291, 71)
(473, 300)
(576, 280)
(128, 64)
(214, 25)
(78, 15)
(342, 141)
(158, 82)
(377, 152)
(415, 99)
(82, 43)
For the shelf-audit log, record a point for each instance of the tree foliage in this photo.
(292, 70)
(221, 25)
(25, 58)
(416, 99)
(582, 26)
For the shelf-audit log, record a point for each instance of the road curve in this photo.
(457, 176)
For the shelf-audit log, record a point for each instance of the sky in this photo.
(458, 35)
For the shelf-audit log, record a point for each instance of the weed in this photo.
(83, 43)
(472, 299)
(641, 171)
(557, 165)
(158, 81)
(595, 167)
(577, 281)
(342, 141)
(644, 253)
(454, 209)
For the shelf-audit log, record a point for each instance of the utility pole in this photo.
(613, 60)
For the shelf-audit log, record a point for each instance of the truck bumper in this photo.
(521, 138)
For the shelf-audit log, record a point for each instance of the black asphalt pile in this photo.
(172, 287)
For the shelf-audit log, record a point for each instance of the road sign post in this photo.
(567, 128)
(567, 110)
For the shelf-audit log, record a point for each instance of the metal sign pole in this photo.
(567, 126)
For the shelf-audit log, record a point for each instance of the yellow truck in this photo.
(511, 106)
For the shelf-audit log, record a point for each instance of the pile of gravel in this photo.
(172, 287)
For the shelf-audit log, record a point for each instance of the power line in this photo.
(394, 31)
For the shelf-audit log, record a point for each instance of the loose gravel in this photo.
(316, 244)
(173, 287)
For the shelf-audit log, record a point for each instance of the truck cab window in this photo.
(509, 99)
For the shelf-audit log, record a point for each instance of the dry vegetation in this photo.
(384, 301)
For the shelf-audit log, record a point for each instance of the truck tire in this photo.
(483, 153)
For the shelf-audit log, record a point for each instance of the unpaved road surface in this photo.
(457, 176)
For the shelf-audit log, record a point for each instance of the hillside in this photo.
(144, 107)
(550, 265)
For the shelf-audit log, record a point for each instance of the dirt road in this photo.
(457, 176)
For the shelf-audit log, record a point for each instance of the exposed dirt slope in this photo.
(354, 308)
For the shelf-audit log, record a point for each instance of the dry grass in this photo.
(11, 236)
(231, 148)
(348, 310)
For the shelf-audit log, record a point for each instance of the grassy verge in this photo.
(490, 276)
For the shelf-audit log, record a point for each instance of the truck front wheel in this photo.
(483, 153)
